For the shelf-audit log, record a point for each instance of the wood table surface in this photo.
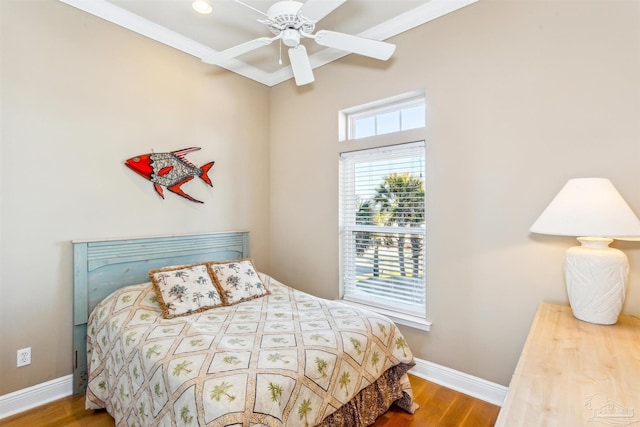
(573, 373)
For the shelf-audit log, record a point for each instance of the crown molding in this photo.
(116, 15)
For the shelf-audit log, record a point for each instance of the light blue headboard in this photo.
(101, 267)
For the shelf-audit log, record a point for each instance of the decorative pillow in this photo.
(184, 290)
(238, 281)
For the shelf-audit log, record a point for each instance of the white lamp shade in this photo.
(588, 207)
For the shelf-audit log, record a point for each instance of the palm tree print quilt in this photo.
(286, 359)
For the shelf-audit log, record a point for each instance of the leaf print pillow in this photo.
(184, 290)
(238, 281)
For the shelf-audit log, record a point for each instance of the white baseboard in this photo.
(459, 381)
(39, 394)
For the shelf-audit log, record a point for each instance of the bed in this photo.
(280, 358)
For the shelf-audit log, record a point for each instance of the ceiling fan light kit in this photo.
(291, 21)
(291, 37)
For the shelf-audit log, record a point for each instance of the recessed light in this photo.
(202, 6)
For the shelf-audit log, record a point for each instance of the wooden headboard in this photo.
(101, 267)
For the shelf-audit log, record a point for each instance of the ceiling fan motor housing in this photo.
(283, 16)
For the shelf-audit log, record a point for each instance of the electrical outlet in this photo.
(24, 357)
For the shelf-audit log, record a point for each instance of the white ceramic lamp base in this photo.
(596, 278)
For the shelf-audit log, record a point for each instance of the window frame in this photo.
(412, 314)
(353, 118)
(348, 117)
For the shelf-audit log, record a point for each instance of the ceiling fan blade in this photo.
(355, 44)
(315, 10)
(302, 71)
(238, 50)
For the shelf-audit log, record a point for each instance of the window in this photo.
(394, 114)
(383, 219)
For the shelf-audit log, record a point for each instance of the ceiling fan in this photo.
(291, 21)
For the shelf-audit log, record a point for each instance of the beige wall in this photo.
(521, 96)
(80, 96)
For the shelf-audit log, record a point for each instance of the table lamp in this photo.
(592, 210)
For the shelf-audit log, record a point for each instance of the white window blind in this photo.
(383, 209)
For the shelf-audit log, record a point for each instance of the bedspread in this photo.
(287, 359)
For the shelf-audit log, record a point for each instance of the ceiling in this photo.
(175, 23)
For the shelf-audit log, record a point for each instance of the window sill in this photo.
(399, 318)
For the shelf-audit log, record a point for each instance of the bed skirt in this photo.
(374, 400)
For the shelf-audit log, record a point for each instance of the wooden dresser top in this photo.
(573, 373)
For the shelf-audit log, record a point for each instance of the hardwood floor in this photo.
(439, 406)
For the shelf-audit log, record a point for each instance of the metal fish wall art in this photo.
(169, 170)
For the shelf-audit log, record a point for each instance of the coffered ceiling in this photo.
(177, 24)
